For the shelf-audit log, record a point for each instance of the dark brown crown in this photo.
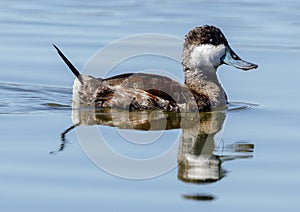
(205, 35)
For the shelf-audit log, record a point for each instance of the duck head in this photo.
(206, 47)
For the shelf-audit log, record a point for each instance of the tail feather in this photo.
(69, 64)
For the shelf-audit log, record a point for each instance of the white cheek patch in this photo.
(207, 55)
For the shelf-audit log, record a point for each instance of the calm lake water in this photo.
(258, 149)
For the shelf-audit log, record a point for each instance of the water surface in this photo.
(35, 107)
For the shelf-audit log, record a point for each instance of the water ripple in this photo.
(24, 99)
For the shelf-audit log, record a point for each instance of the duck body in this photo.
(138, 91)
(204, 50)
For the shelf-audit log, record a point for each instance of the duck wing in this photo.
(157, 85)
(132, 99)
(162, 87)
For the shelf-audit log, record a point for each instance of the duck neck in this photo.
(204, 81)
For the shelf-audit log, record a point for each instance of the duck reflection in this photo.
(200, 154)
(197, 162)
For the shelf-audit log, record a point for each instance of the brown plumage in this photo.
(139, 92)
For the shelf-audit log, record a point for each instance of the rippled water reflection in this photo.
(24, 99)
(35, 108)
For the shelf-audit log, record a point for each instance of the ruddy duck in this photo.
(204, 50)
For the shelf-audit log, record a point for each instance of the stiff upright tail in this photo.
(69, 64)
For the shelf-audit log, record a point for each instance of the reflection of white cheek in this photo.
(207, 55)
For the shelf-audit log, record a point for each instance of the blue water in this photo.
(36, 93)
